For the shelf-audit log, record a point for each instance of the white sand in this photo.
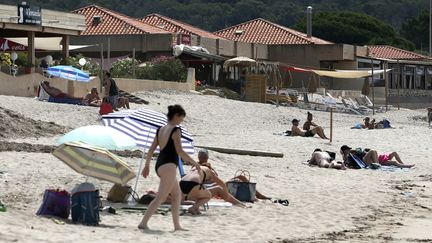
(352, 205)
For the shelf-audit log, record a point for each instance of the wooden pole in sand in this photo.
(331, 124)
(386, 84)
(398, 79)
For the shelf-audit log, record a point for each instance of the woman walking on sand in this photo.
(168, 139)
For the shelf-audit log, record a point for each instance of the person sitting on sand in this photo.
(55, 92)
(370, 156)
(309, 123)
(123, 102)
(192, 188)
(368, 123)
(92, 98)
(296, 131)
(217, 187)
(324, 160)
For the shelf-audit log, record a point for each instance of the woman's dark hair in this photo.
(175, 110)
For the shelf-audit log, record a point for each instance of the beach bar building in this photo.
(38, 25)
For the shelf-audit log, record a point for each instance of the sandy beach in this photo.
(325, 204)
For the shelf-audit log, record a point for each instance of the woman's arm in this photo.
(179, 149)
(145, 172)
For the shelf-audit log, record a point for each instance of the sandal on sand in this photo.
(284, 202)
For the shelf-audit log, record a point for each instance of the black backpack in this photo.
(85, 207)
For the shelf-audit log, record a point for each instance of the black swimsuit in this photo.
(168, 154)
(187, 186)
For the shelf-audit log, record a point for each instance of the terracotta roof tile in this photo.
(114, 23)
(390, 52)
(176, 26)
(265, 32)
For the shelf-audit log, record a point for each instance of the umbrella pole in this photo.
(139, 172)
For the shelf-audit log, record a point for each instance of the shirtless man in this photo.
(296, 131)
(324, 160)
(55, 92)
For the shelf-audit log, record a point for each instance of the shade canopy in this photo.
(43, 43)
(240, 62)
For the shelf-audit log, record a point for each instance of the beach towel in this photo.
(65, 101)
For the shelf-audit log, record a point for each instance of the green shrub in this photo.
(91, 66)
(123, 68)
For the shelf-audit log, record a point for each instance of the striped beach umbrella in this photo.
(68, 72)
(94, 162)
(142, 126)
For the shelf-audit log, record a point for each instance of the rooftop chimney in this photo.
(309, 21)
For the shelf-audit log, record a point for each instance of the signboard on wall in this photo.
(29, 15)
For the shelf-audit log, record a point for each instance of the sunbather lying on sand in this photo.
(324, 160)
(217, 187)
(370, 156)
(55, 92)
(296, 131)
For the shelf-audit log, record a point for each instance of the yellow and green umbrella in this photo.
(94, 162)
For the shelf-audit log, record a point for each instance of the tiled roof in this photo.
(176, 26)
(390, 52)
(113, 23)
(265, 32)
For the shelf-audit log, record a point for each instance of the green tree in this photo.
(354, 28)
(417, 30)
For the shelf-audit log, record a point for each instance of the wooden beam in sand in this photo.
(243, 152)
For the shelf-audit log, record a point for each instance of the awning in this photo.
(41, 43)
(348, 74)
(197, 51)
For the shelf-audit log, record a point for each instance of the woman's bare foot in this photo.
(179, 228)
(143, 227)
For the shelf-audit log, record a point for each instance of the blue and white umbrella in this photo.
(68, 72)
(142, 125)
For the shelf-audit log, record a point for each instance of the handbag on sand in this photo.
(242, 190)
(120, 194)
(55, 203)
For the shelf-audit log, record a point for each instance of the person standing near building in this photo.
(111, 90)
